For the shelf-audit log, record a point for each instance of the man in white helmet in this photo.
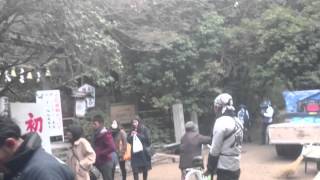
(227, 137)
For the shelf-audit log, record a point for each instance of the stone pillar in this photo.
(194, 118)
(178, 120)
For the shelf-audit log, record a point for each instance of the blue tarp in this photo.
(293, 97)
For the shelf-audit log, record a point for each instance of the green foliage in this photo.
(187, 71)
(172, 51)
(258, 49)
(93, 112)
(64, 36)
(161, 128)
(288, 39)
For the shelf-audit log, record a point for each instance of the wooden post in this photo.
(178, 120)
(45, 84)
(194, 118)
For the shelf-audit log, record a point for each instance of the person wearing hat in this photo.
(81, 156)
(120, 140)
(190, 146)
(227, 137)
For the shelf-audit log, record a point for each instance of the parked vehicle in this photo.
(301, 125)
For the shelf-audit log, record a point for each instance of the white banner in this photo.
(81, 107)
(51, 104)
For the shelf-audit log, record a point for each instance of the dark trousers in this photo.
(136, 175)
(228, 175)
(264, 132)
(246, 135)
(122, 165)
(106, 170)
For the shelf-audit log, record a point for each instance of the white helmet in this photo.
(224, 101)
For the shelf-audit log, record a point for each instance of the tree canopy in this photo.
(166, 51)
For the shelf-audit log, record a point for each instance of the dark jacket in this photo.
(31, 162)
(103, 146)
(141, 160)
(190, 147)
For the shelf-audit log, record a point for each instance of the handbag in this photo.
(127, 154)
(136, 144)
(94, 172)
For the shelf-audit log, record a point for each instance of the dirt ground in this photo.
(258, 162)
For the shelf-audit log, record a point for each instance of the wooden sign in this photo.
(123, 113)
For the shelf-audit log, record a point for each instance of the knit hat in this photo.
(190, 126)
(114, 124)
(224, 101)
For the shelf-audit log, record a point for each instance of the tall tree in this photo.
(41, 35)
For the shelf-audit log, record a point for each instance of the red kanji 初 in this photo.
(34, 124)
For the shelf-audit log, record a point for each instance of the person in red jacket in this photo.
(104, 147)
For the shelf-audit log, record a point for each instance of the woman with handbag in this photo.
(120, 140)
(82, 155)
(140, 155)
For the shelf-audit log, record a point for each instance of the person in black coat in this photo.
(23, 158)
(140, 161)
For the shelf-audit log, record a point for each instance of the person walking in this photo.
(104, 148)
(82, 155)
(190, 147)
(23, 158)
(244, 117)
(227, 137)
(140, 160)
(267, 118)
(120, 140)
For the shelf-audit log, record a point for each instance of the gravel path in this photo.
(259, 162)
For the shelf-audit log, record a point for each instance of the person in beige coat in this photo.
(82, 155)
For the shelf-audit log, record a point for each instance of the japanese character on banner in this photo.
(34, 124)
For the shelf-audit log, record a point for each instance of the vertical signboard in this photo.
(91, 93)
(51, 103)
(30, 118)
(81, 107)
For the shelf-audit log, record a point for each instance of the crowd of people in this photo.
(22, 156)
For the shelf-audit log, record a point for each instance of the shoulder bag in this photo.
(94, 172)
